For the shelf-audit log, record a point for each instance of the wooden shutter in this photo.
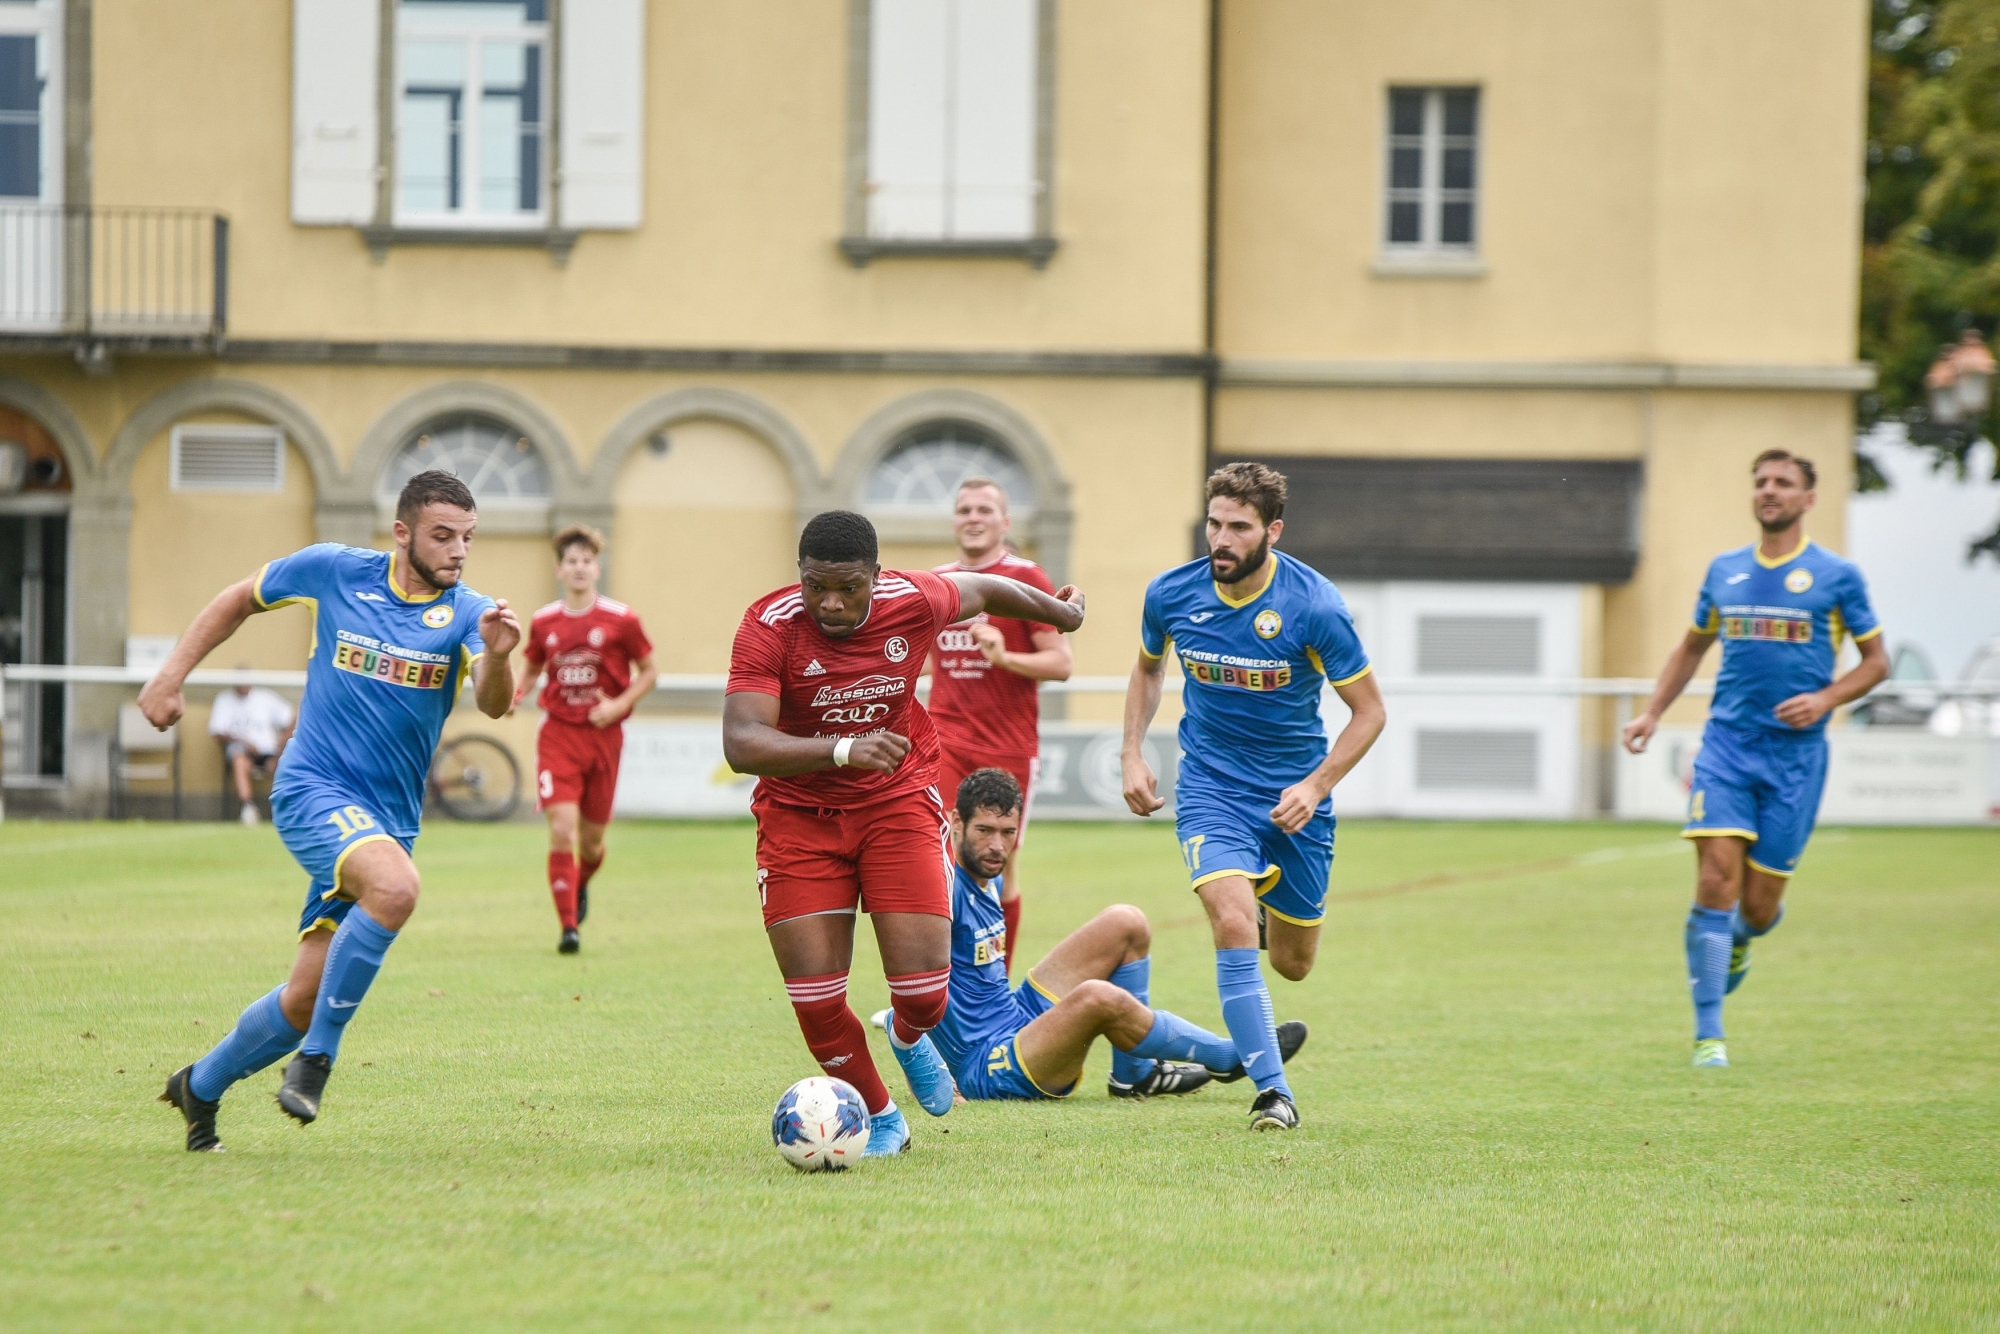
(993, 121)
(336, 46)
(602, 45)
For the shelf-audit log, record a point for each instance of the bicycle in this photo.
(475, 778)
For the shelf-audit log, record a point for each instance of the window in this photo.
(953, 113)
(1433, 171)
(501, 465)
(920, 475)
(228, 458)
(27, 145)
(470, 105)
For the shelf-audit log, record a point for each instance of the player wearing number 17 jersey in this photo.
(1258, 635)
(821, 704)
(394, 636)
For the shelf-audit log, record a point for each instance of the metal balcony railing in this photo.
(113, 272)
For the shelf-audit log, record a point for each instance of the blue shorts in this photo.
(1223, 836)
(1761, 786)
(320, 826)
(994, 1068)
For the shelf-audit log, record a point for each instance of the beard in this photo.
(1248, 566)
(1778, 523)
(975, 870)
(429, 575)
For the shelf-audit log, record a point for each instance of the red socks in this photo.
(1010, 913)
(589, 870)
(835, 1036)
(562, 887)
(919, 1001)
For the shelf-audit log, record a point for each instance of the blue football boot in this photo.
(929, 1076)
(888, 1134)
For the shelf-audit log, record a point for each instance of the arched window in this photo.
(919, 475)
(501, 465)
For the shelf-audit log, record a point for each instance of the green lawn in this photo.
(1500, 1126)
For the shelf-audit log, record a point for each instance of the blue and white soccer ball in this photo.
(821, 1125)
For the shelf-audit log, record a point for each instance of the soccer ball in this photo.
(821, 1125)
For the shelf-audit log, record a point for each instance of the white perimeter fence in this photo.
(1456, 748)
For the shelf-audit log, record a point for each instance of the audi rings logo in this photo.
(956, 641)
(856, 713)
(897, 649)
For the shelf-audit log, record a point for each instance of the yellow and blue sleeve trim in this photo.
(1349, 680)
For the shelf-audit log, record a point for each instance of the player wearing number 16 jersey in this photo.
(821, 704)
(394, 636)
(599, 664)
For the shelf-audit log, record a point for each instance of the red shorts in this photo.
(955, 766)
(579, 764)
(891, 856)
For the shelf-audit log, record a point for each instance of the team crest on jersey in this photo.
(596, 636)
(438, 617)
(897, 649)
(1268, 623)
(1798, 581)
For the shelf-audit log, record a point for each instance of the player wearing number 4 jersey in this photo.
(394, 636)
(599, 664)
(986, 674)
(1781, 608)
(821, 704)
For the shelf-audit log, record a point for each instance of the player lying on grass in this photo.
(394, 634)
(822, 704)
(1030, 1041)
(599, 664)
(1781, 608)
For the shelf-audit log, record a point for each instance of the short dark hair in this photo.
(1799, 461)
(988, 789)
(578, 535)
(435, 487)
(1253, 484)
(838, 537)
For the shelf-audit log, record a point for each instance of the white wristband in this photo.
(840, 750)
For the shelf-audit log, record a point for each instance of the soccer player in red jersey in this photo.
(599, 664)
(986, 674)
(821, 704)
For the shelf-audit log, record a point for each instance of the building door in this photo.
(32, 230)
(34, 595)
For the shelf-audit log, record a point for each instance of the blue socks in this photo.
(1175, 1039)
(260, 1037)
(1709, 940)
(1246, 1012)
(1136, 977)
(352, 961)
(1740, 930)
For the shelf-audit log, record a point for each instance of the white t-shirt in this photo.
(255, 719)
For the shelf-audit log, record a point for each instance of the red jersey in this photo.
(847, 687)
(586, 651)
(981, 709)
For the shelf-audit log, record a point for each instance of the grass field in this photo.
(1500, 1127)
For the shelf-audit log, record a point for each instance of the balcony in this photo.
(95, 281)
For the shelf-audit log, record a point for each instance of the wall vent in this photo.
(228, 458)
(1479, 645)
(1463, 760)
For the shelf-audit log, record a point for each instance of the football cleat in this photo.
(582, 903)
(305, 1081)
(1291, 1037)
(570, 942)
(1739, 964)
(930, 1078)
(200, 1116)
(1274, 1110)
(881, 1019)
(888, 1134)
(1169, 1078)
(1709, 1053)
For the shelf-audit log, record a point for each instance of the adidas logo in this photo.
(813, 669)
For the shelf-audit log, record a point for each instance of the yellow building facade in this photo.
(692, 272)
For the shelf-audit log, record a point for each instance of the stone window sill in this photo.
(1429, 266)
(557, 241)
(862, 250)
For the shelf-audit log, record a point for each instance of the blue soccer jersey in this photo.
(385, 668)
(981, 1003)
(1781, 624)
(1254, 668)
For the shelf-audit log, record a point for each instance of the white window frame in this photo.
(270, 435)
(468, 217)
(1430, 194)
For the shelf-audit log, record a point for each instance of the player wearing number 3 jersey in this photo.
(821, 704)
(394, 636)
